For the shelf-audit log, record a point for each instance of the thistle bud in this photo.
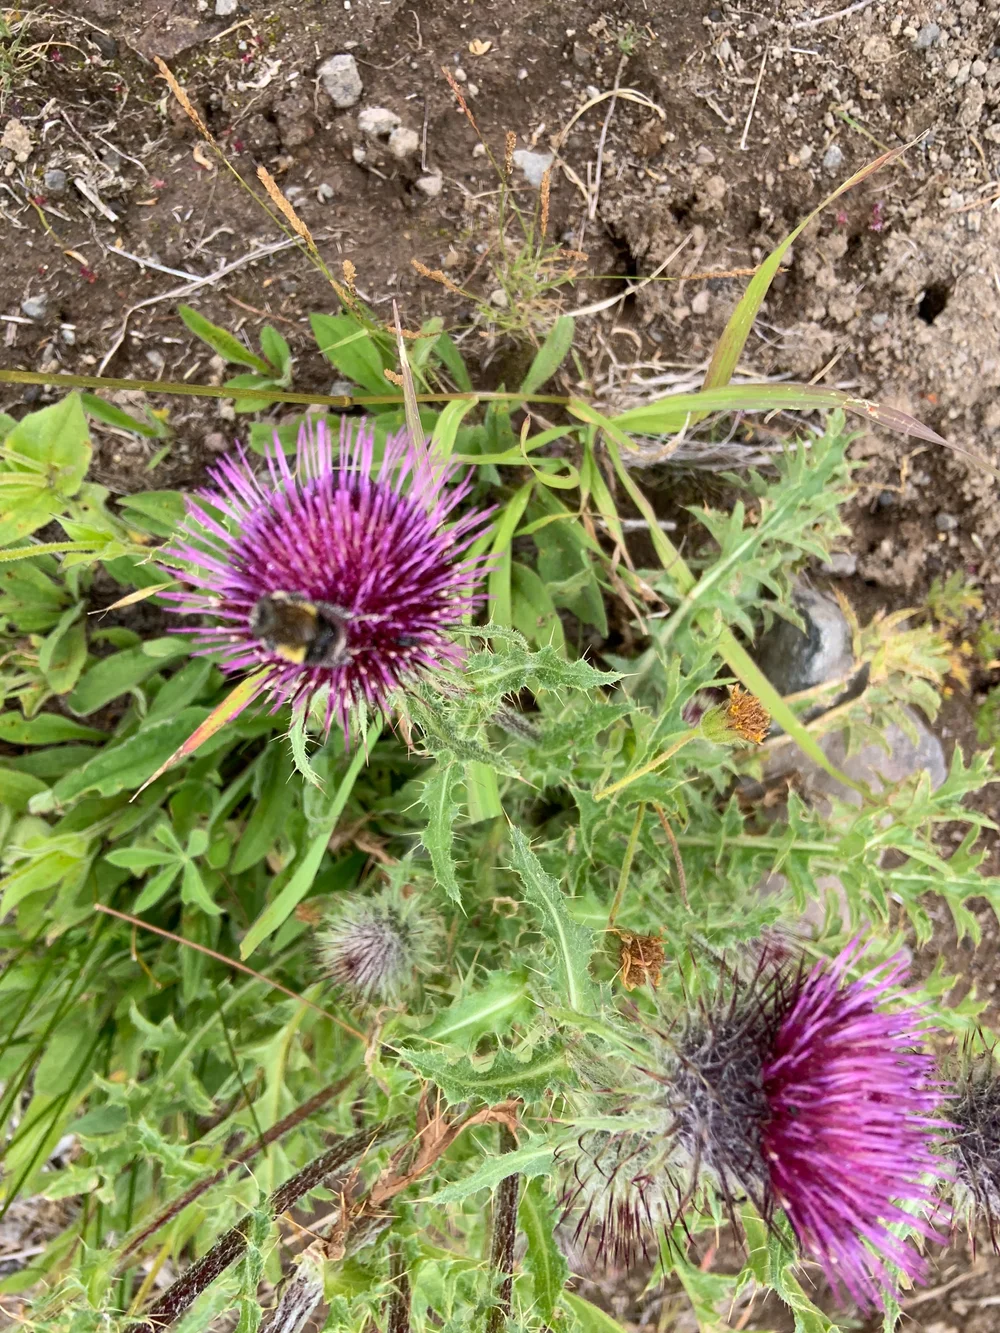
(974, 1147)
(374, 947)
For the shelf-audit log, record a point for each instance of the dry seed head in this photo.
(436, 275)
(393, 377)
(460, 99)
(189, 108)
(350, 276)
(546, 185)
(282, 204)
(508, 157)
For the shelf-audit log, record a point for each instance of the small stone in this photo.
(533, 165)
(499, 299)
(704, 156)
(451, 260)
(699, 306)
(460, 74)
(215, 442)
(841, 565)
(472, 89)
(224, 8)
(341, 80)
(377, 121)
(403, 142)
(105, 43)
(715, 187)
(880, 320)
(979, 68)
(479, 150)
(359, 154)
(833, 157)
(68, 334)
(793, 660)
(582, 58)
(928, 35)
(431, 184)
(54, 181)
(324, 192)
(522, 74)
(34, 307)
(17, 139)
(804, 154)
(945, 522)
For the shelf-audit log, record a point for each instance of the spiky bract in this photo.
(381, 546)
(974, 1146)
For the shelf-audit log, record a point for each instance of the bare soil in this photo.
(748, 119)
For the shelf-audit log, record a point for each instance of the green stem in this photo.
(633, 842)
(653, 764)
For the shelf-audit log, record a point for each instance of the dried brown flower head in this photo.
(641, 959)
(747, 716)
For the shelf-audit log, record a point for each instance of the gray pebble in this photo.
(54, 181)
(945, 522)
(324, 192)
(833, 157)
(34, 307)
(403, 142)
(928, 35)
(223, 8)
(378, 121)
(841, 565)
(880, 320)
(430, 185)
(533, 165)
(341, 80)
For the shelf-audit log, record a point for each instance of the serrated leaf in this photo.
(506, 1076)
(438, 836)
(573, 943)
(493, 1008)
(543, 1259)
(535, 1158)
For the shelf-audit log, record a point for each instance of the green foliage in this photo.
(172, 1037)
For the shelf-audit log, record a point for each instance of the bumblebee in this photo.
(302, 631)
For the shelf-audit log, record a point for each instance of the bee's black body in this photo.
(300, 630)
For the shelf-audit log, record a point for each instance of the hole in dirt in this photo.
(933, 301)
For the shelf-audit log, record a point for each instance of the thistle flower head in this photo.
(974, 1146)
(331, 577)
(742, 718)
(374, 947)
(620, 1194)
(852, 1100)
(798, 1090)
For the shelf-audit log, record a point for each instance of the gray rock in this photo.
(403, 142)
(833, 157)
(928, 35)
(431, 184)
(793, 660)
(377, 121)
(34, 307)
(945, 522)
(55, 182)
(900, 756)
(533, 165)
(324, 192)
(704, 157)
(841, 565)
(224, 8)
(341, 80)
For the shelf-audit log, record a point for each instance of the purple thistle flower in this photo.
(795, 1089)
(325, 575)
(852, 1101)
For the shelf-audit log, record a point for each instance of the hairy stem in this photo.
(504, 1232)
(399, 1301)
(189, 1286)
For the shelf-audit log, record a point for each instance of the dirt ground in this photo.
(732, 124)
